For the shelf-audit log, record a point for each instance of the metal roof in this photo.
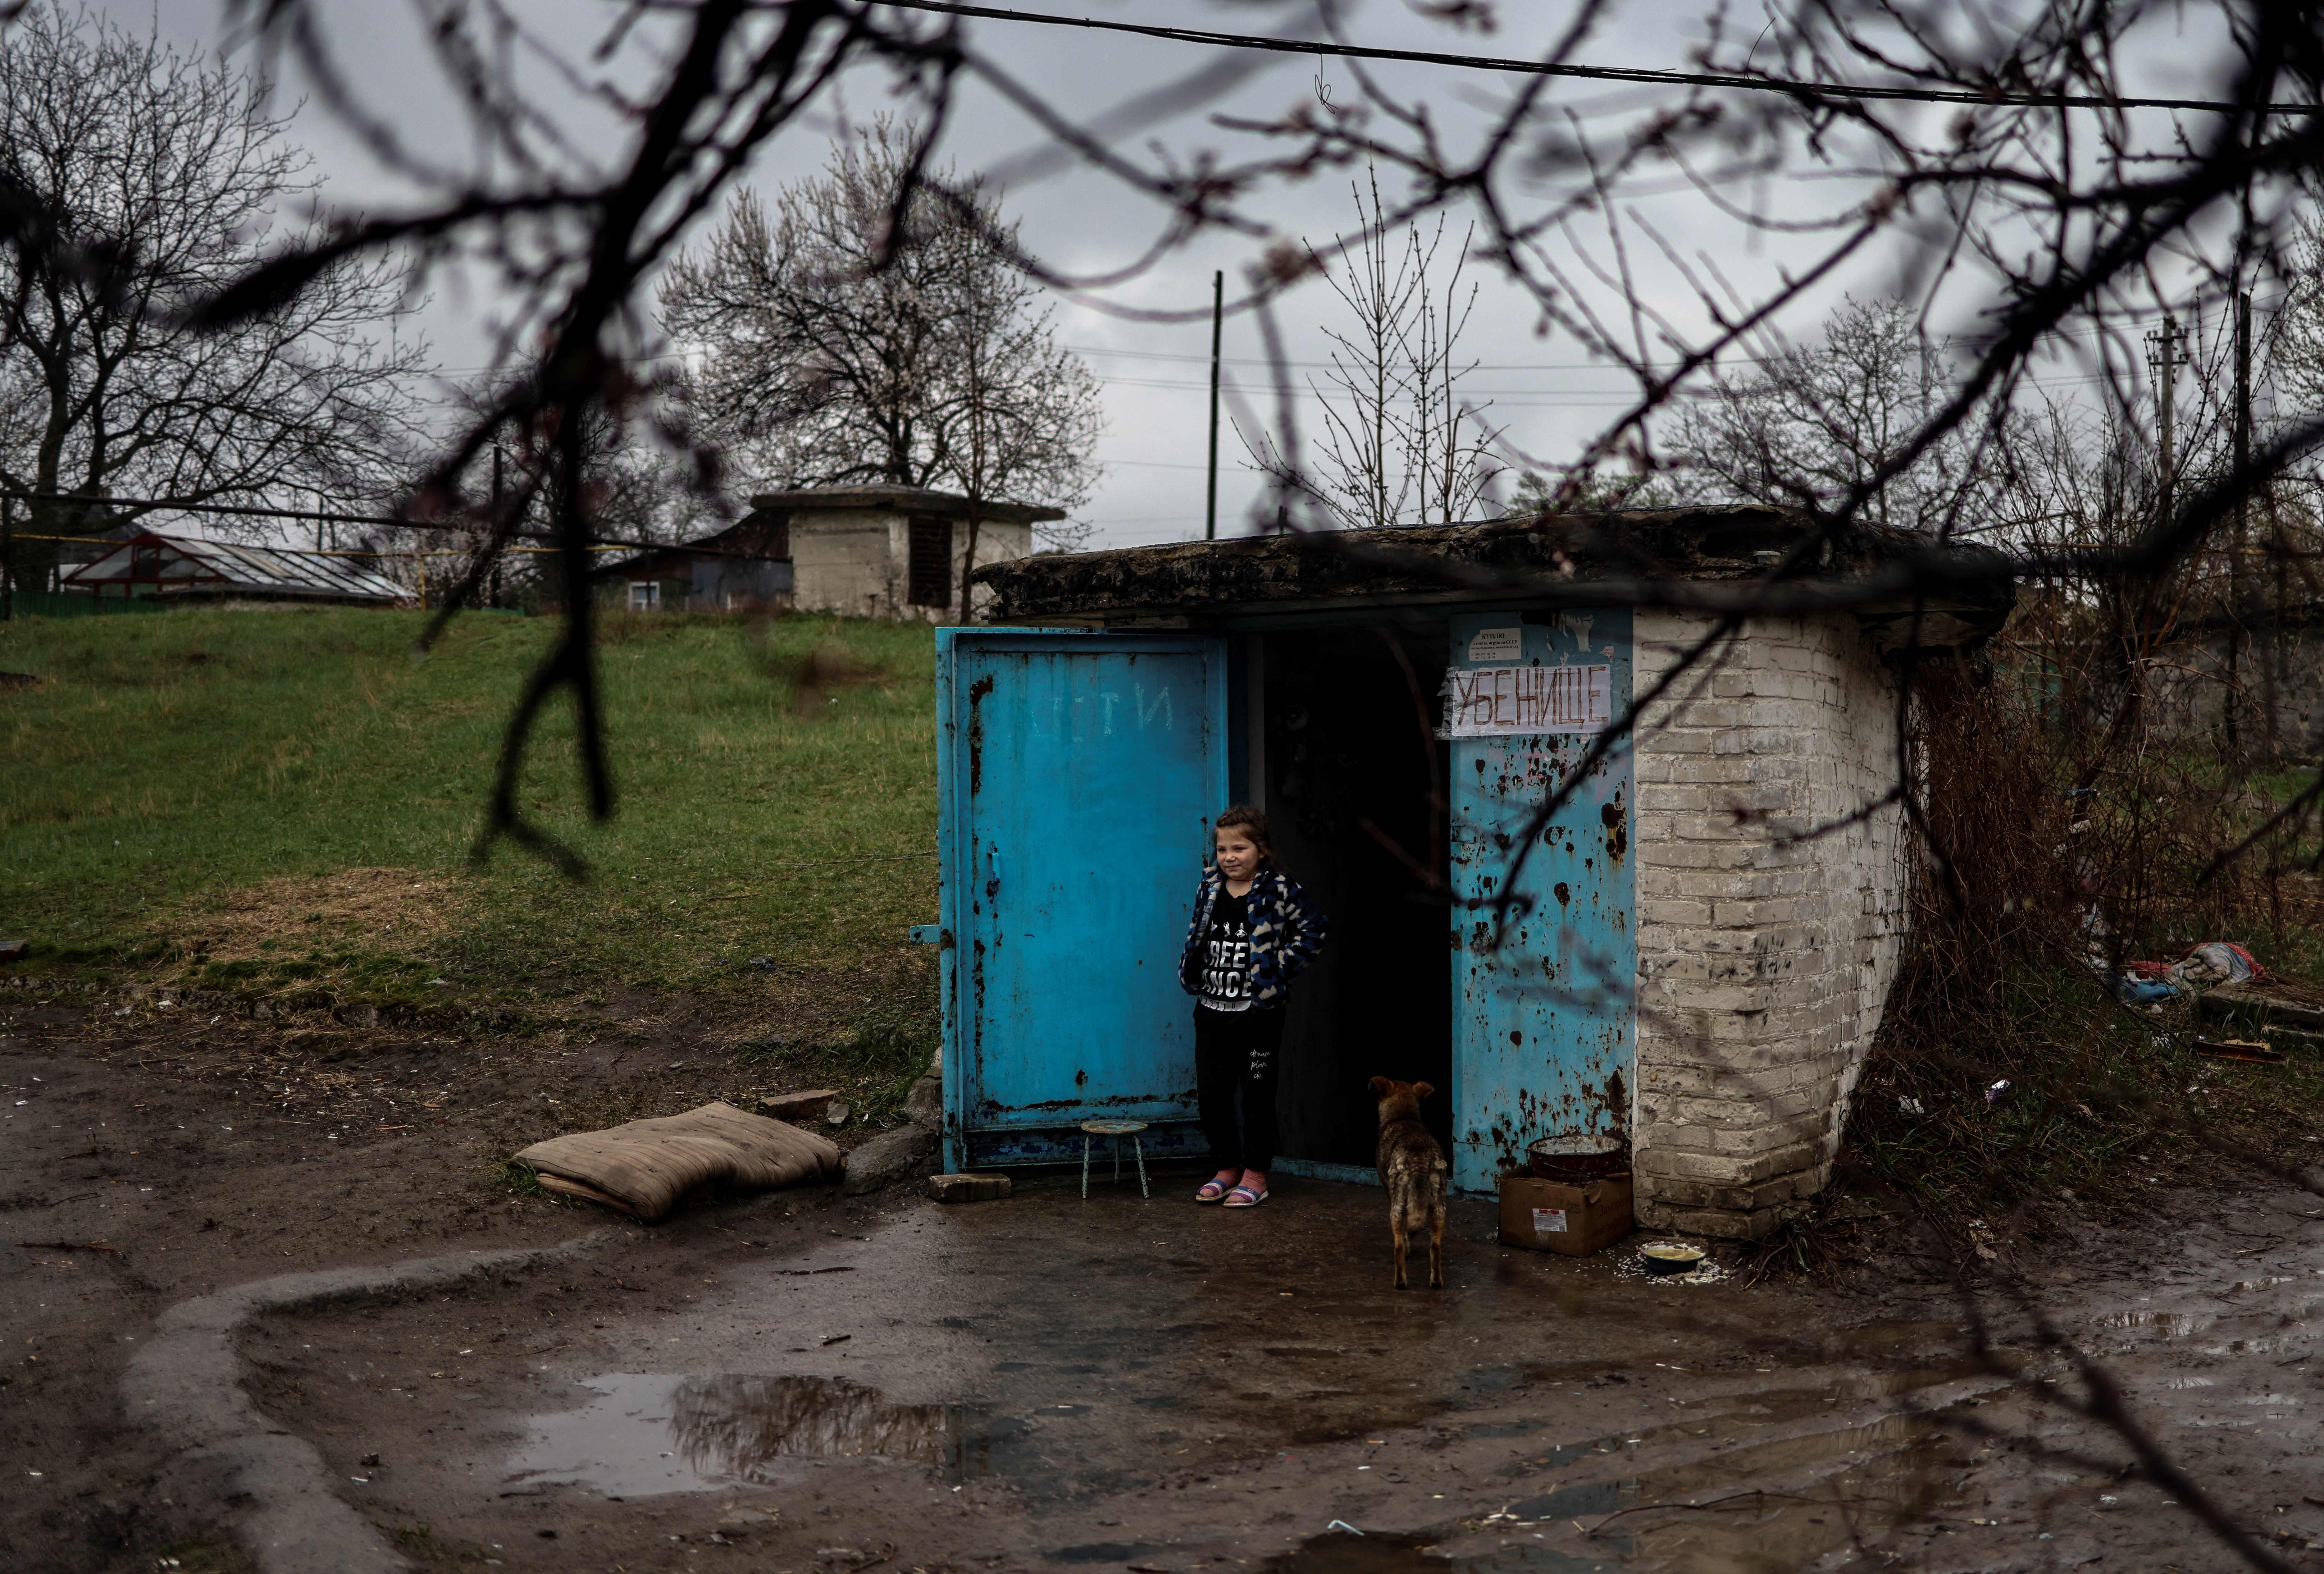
(190, 565)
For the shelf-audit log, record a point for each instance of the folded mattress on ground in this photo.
(644, 1167)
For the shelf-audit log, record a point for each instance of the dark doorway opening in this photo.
(1355, 787)
(928, 562)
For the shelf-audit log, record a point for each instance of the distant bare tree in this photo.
(1028, 409)
(1812, 423)
(1398, 445)
(865, 332)
(167, 180)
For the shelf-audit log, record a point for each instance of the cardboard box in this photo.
(1549, 1215)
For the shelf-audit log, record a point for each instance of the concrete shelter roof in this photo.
(1708, 558)
(901, 500)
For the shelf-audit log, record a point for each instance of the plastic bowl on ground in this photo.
(1671, 1257)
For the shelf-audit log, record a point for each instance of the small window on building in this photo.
(644, 594)
(928, 575)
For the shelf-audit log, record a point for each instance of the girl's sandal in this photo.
(1212, 1191)
(1244, 1196)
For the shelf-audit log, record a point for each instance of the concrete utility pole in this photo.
(1218, 305)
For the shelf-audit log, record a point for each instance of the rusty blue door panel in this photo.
(1543, 1022)
(1079, 775)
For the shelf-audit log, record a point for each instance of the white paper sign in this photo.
(1497, 644)
(1549, 1221)
(1520, 701)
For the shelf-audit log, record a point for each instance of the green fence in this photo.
(55, 604)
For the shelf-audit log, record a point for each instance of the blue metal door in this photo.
(1543, 1029)
(1080, 774)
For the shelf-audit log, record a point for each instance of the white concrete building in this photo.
(892, 552)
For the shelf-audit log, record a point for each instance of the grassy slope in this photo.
(166, 759)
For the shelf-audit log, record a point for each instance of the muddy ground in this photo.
(809, 1383)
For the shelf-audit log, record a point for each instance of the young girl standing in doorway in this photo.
(1254, 930)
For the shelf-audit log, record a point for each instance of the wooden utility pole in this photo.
(2236, 547)
(497, 556)
(2166, 384)
(1218, 305)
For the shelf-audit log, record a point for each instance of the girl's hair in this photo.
(1251, 820)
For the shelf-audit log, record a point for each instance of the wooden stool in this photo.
(1117, 1130)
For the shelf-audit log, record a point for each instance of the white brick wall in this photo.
(1763, 968)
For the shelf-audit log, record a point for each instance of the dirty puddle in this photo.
(648, 1433)
(1122, 1383)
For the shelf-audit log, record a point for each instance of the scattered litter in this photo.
(644, 1167)
(1909, 1106)
(2215, 962)
(66, 1246)
(2240, 1050)
(1341, 1525)
(798, 1107)
(14, 951)
(969, 1187)
(1994, 1093)
(764, 964)
(837, 1338)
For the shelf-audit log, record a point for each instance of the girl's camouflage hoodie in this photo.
(1286, 930)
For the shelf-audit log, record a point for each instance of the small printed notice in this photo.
(1497, 644)
(1519, 701)
(1549, 1221)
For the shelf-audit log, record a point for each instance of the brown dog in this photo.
(1413, 1169)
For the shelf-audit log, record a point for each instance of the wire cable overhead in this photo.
(1995, 97)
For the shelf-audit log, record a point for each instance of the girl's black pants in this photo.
(1235, 1053)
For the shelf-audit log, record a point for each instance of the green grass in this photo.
(164, 766)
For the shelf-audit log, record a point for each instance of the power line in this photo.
(1792, 88)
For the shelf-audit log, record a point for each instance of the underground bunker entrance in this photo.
(1355, 782)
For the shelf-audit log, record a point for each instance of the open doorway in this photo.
(1355, 783)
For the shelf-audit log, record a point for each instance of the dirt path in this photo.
(804, 1383)
(146, 1159)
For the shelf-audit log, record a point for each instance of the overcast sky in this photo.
(1154, 376)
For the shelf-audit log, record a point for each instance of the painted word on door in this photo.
(1544, 979)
